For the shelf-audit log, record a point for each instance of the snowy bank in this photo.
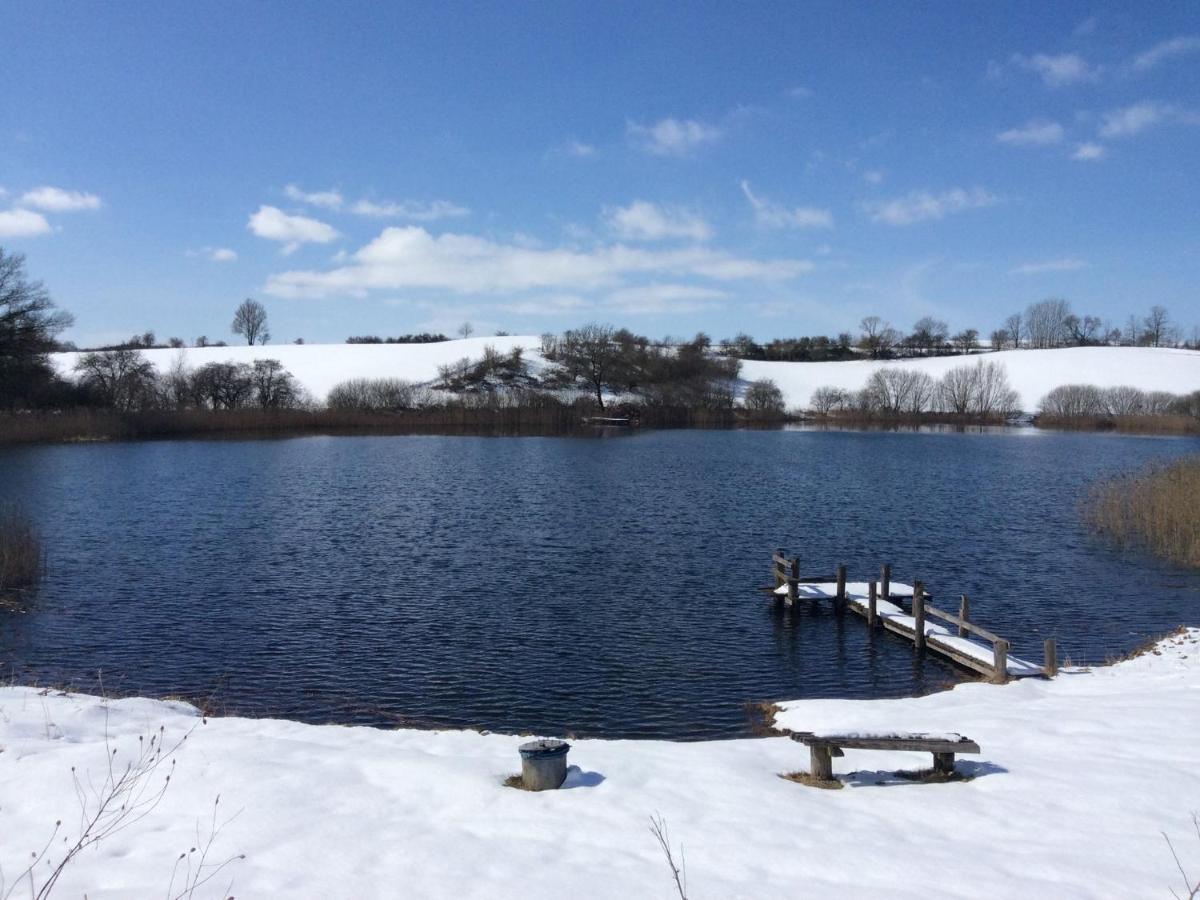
(1032, 373)
(1076, 779)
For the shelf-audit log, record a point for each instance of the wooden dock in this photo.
(952, 636)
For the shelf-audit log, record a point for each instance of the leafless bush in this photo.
(21, 559)
(896, 391)
(378, 395)
(763, 396)
(1074, 401)
(826, 400)
(1191, 889)
(1124, 401)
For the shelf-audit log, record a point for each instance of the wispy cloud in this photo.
(1131, 120)
(16, 223)
(412, 210)
(671, 137)
(874, 176)
(1066, 264)
(274, 224)
(330, 199)
(53, 199)
(1089, 152)
(1058, 71)
(773, 215)
(579, 149)
(411, 257)
(799, 92)
(1176, 46)
(650, 299)
(644, 221)
(1037, 132)
(222, 255)
(923, 206)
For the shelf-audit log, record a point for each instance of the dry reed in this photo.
(1158, 508)
(21, 559)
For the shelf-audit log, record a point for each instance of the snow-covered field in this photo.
(1076, 780)
(1033, 373)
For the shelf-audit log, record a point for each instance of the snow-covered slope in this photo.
(1077, 778)
(1031, 372)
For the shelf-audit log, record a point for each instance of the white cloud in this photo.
(222, 254)
(664, 298)
(1034, 132)
(413, 211)
(52, 199)
(1067, 264)
(644, 221)
(274, 224)
(410, 257)
(330, 199)
(1131, 120)
(1058, 71)
(1177, 46)
(580, 149)
(922, 206)
(22, 223)
(1086, 27)
(800, 92)
(874, 176)
(772, 215)
(1089, 152)
(671, 137)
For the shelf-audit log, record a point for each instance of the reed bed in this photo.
(1158, 508)
(21, 559)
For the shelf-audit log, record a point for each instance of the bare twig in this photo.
(1191, 890)
(658, 828)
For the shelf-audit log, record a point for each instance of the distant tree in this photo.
(466, 329)
(222, 385)
(298, 341)
(250, 321)
(1014, 325)
(929, 335)
(590, 353)
(877, 337)
(826, 400)
(763, 396)
(29, 324)
(174, 343)
(1156, 325)
(273, 385)
(202, 341)
(966, 340)
(1046, 323)
(122, 379)
(1083, 332)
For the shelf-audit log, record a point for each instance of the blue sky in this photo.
(779, 169)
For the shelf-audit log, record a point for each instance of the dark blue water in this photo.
(555, 585)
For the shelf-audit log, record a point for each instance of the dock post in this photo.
(872, 610)
(919, 614)
(777, 571)
(885, 578)
(820, 762)
(840, 599)
(794, 582)
(1000, 663)
(964, 615)
(1051, 668)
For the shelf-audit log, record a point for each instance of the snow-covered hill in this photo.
(1032, 373)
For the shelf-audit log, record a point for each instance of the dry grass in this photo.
(809, 780)
(515, 781)
(760, 716)
(1141, 424)
(1158, 508)
(932, 776)
(21, 559)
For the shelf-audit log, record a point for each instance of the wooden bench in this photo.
(824, 747)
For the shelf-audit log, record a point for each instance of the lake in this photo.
(595, 586)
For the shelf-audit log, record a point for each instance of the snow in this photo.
(1032, 373)
(1076, 779)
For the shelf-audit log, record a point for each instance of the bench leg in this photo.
(943, 763)
(821, 762)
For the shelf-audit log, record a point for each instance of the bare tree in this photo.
(591, 353)
(123, 379)
(763, 396)
(1014, 325)
(929, 334)
(250, 321)
(466, 329)
(273, 385)
(826, 400)
(966, 340)
(1155, 326)
(29, 324)
(1046, 323)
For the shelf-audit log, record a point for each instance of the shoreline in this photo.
(1108, 751)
